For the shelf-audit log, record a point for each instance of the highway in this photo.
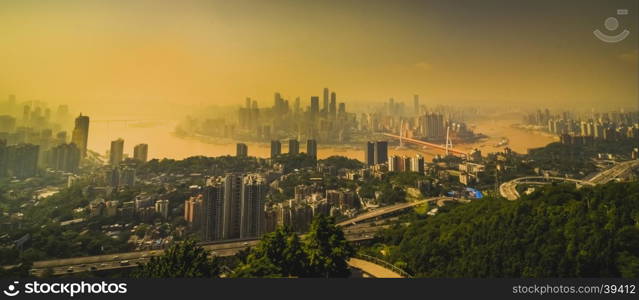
(508, 189)
(393, 208)
(354, 231)
(131, 259)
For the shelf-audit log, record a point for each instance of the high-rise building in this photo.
(432, 126)
(213, 210)
(276, 148)
(333, 105)
(369, 152)
(418, 164)
(314, 107)
(311, 148)
(80, 134)
(232, 206)
(394, 163)
(242, 150)
(117, 152)
(381, 152)
(194, 211)
(64, 157)
(141, 152)
(22, 160)
(416, 104)
(252, 206)
(405, 164)
(293, 146)
(325, 102)
(162, 208)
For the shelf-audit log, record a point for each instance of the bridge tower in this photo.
(449, 142)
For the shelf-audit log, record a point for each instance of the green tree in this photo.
(279, 254)
(181, 260)
(327, 249)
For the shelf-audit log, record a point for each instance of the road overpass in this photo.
(508, 189)
(393, 208)
(354, 231)
(132, 259)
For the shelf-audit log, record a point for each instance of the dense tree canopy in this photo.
(557, 231)
(324, 252)
(181, 260)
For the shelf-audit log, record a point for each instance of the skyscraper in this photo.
(369, 153)
(22, 160)
(333, 105)
(162, 208)
(381, 152)
(325, 102)
(213, 210)
(416, 104)
(242, 150)
(311, 148)
(418, 164)
(64, 157)
(80, 134)
(276, 148)
(117, 152)
(252, 206)
(341, 112)
(232, 206)
(293, 146)
(314, 107)
(140, 152)
(432, 126)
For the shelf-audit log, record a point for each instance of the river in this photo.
(163, 144)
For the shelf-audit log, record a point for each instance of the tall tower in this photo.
(141, 152)
(333, 105)
(293, 146)
(325, 102)
(370, 153)
(381, 152)
(276, 148)
(232, 202)
(213, 210)
(242, 150)
(314, 107)
(117, 152)
(311, 148)
(252, 207)
(80, 135)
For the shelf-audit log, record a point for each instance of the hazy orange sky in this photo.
(149, 55)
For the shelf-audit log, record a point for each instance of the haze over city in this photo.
(319, 139)
(153, 57)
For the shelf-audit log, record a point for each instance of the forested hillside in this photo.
(557, 231)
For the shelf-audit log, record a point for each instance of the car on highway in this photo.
(93, 268)
(116, 257)
(103, 265)
(124, 263)
(245, 243)
(69, 269)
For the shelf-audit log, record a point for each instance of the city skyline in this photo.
(181, 56)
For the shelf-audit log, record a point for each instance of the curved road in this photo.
(508, 189)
